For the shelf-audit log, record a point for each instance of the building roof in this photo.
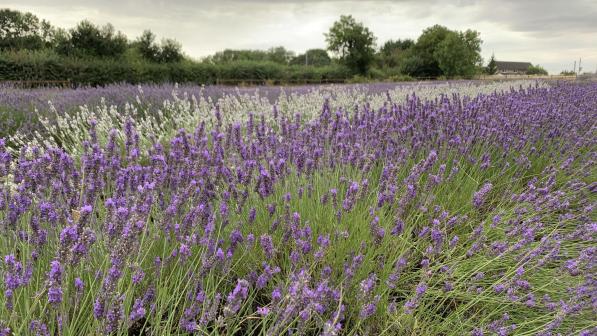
(516, 66)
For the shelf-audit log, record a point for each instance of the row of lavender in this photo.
(55, 117)
(120, 94)
(449, 216)
(48, 101)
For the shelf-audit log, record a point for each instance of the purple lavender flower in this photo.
(8, 294)
(98, 308)
(39, 328)
(252, 214)
(79, 284)
(421, 289)
(480, 196)
(55, 295)
(55, 274)
(138, 276)
(263, 311)
(137, 311)
(236, 297)
(267, 245)
(368, 284)
(398, 227)
(276, 294)
(370, 308)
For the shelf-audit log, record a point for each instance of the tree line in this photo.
(25, 31)
(27, 42)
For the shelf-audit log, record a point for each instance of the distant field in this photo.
(432, 208)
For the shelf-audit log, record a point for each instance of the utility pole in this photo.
(574, 67)
(579, 67)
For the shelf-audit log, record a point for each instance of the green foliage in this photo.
(458, 54)
(48, 65)
(231, 55)
(147, 47)
(376, 75)
(443, 52)
(61, 42)
(352, 42)
(170, 51)
(421, 61)
(87, 39)
(23, 31)
(279, 55)
(393, 52)
(393, 46)
(247, 70)
(473, 43)
(536, 70)
(324, 74)
(400, 78)
(567, 73)
(314, 57)
(451, 56)
(491, 66)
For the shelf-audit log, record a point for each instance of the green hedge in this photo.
(47, 66)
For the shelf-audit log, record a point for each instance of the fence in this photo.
(29, 84)
(515, 77)
(270, 82)
(588, 77)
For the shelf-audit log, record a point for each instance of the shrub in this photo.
(536, 70)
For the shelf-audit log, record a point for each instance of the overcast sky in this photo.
(550, 33)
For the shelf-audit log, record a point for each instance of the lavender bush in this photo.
(454, 215)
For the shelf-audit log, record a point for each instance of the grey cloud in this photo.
(533, 16)
(539, 16)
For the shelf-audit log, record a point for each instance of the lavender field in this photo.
(456, 208)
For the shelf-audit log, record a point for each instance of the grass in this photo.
(439, 312)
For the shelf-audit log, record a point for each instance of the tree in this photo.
(393, 52)
(536, 70)
(451, 55)
(88, 39)
(421, 61)
(113, 43)
(147, 46)
(440, 51)
(314, 57)
(458, 54)
(491, 66)
(280, 55)
(61, 42)
(231, 55)
(170, 51)
(473, 42)
(352, 42)
(392, 46)
(23, 31)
